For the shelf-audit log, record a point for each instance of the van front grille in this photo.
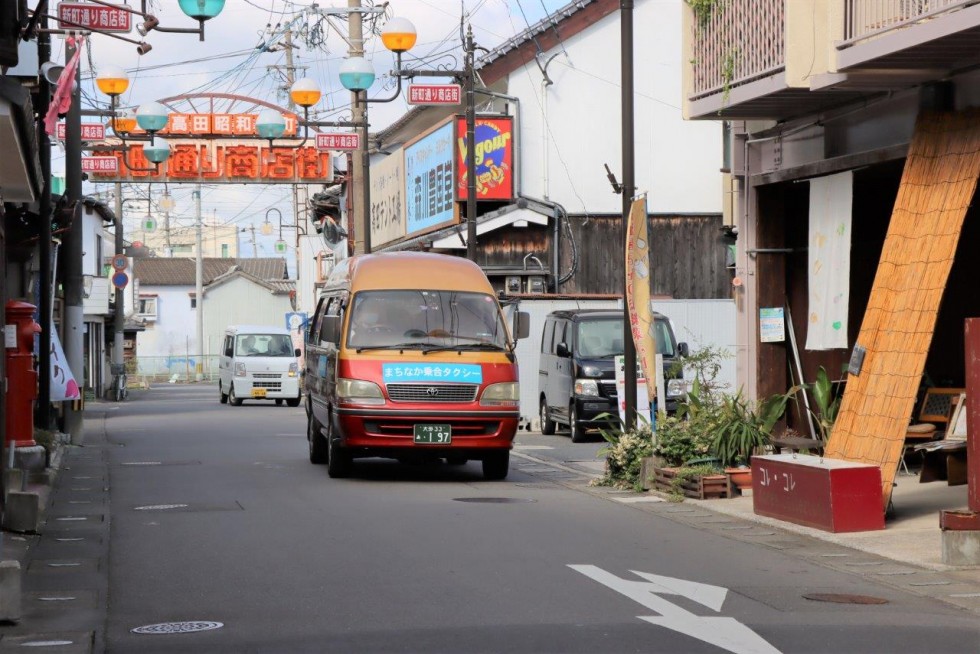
(267, 375)
(432, 392)
(608, 387)
(268, 385)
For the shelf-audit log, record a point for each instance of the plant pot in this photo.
(700, 488)
(741, 477)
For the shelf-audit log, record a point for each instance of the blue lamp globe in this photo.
(201, 9)
(157, 150)
(152, 116)
(270, 124)
(356, 74)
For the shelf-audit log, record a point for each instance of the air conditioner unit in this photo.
(537, 284)
(512, 284)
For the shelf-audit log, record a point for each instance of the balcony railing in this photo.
(736, 42)
(866, 18)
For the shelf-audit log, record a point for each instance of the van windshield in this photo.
(422, 318)
(604, 338)
(263, 345)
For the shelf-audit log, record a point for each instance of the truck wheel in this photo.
(224, 396)
(293, 401)
(547, 424)
(233, 398)
(318, 445)
(575, 431)
(495, 465)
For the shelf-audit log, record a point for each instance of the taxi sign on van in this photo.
(466, 373)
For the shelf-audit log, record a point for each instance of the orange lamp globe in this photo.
(112, 80)
(124, 123)
(398, 35)
(305, 92)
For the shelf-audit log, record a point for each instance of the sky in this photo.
(232, 59)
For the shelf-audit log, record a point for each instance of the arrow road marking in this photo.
(726, 633)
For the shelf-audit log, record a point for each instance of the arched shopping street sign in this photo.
(213, 139)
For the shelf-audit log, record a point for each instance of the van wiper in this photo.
(463, 346)
(396, 346)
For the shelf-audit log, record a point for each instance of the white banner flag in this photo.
(829, 261)
(63, 384)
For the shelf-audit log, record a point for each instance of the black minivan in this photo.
(577, 377)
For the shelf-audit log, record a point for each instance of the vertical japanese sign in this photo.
(638, 294)
(494, 155)
(388, 199)
(429, 180)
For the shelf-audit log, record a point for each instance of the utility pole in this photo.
(470, 149)
(44, 247)
(361, 162)
(74, 318)
(199, 290)
(629, 189)
(290, 80)
(119, 316)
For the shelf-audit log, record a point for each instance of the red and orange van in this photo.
(408, 356)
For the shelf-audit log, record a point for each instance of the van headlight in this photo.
(240, 369)
(293, 369)
(676, 388)
(358, 391)
(587, 387)
(503, 394)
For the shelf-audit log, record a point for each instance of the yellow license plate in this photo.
(258, 392)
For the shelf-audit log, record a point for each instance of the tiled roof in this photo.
(159, 271)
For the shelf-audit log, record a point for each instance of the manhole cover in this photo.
(160, 507)
(493, 500)
(841, 598)
(178, 627)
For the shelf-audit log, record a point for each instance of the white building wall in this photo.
(240, 302)
(571, 128)
(171, 335)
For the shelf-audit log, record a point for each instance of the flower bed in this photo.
(702, 487)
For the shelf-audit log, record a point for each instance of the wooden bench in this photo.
(945, 460)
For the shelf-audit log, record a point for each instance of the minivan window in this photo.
(263, 345)
(604, 338)
(547, 335)
(422, 317)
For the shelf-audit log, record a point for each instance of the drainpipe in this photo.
(545, 83)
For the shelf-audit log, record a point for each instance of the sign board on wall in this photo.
(429, 179)
(218, 125)
(388, 199)
(228, 161)
(494, 158)
(73, 15)
(772, 326)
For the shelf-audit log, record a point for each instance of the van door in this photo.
(563, 377)
(545, 362)
(321, 360)
(224, 362)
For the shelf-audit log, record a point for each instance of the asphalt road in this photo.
(217, 515)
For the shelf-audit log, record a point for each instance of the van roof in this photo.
(410, 270)
(256, 329)
(578, 315)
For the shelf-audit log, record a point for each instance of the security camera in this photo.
(143, 47)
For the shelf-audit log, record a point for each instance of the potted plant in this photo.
(742, 429)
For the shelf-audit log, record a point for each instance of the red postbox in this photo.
(21, 376)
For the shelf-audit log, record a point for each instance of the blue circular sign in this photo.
(120, 279)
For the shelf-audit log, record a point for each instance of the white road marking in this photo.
(726, 633)
(638, 500)
(533, 447)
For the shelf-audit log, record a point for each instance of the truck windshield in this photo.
(604, 338)
(424, 318)
(263, 345)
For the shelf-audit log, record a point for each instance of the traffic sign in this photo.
(338, 141)
(120, 262)
(295, 320)
(435, 94)
(120, 279)
(75, 15)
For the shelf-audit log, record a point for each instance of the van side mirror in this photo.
(297, 352)
(330, 329)
(562, 350)
(522, 325)
(683, 349)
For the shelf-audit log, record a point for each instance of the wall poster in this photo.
(494, 158)
(429, 179)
